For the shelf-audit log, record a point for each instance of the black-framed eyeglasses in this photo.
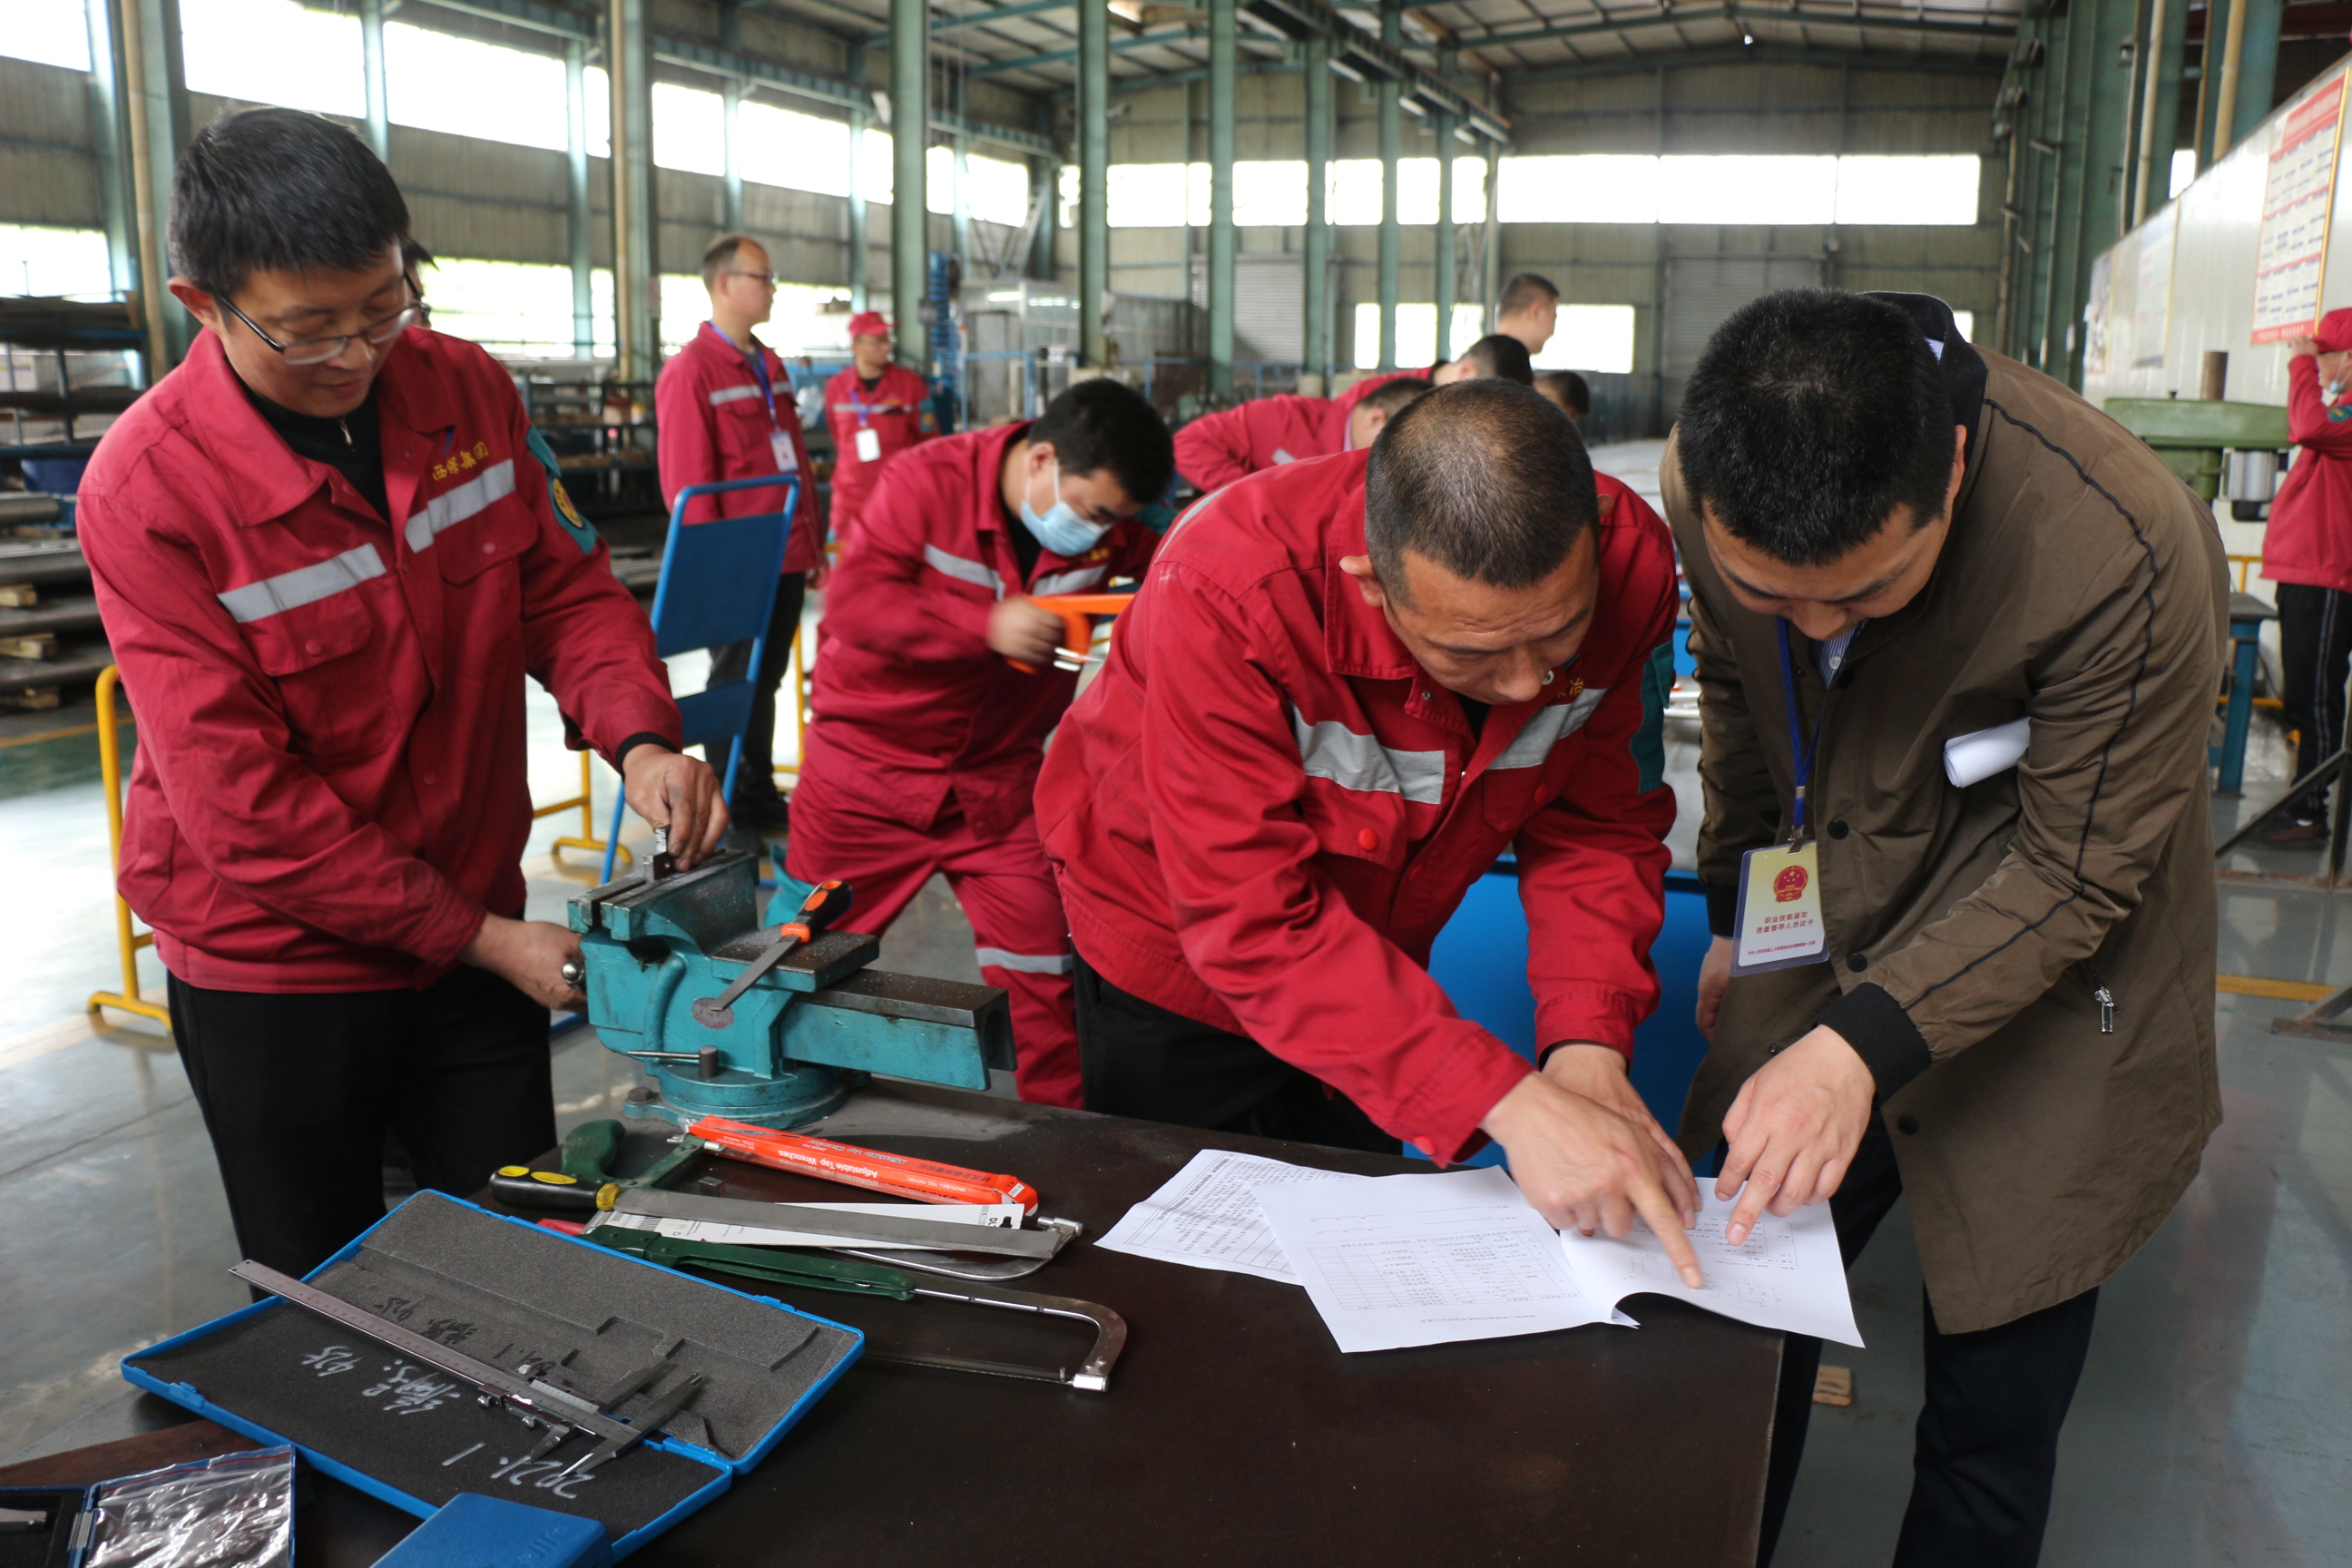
(318, 351)
(767, 277)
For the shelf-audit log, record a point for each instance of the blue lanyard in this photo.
(1801, 751)
(767, 386)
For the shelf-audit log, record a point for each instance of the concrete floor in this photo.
(2214, 1423)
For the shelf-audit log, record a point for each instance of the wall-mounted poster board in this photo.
(2298, 197)
(2152, 296)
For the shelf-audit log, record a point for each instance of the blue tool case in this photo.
(508, 1293)
(60, 1539)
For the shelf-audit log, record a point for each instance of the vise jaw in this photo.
(806, 1033)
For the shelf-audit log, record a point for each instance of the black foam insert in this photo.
(49, 1545)
(505, 1293)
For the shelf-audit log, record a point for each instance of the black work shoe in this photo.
(2296, 833)
(765, 812)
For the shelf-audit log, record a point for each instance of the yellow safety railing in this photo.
(584, 800)
(2241, 564)
(129, 942)
(798, 682)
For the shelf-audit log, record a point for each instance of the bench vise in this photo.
(802, 1036)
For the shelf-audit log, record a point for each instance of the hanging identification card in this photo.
(779, 442)
(1779, 921)
(869, 446)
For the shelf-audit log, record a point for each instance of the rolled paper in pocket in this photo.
(1972, 759)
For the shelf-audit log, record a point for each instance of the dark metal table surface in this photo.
(1235, 1433)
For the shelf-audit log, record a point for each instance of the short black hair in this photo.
(720, 254)
(1526, 290)
(1567, 388)
(1394, 396)
(1811, 416)
(1487, 480)
(1100, 424)
(1500, 355)
(277, 190)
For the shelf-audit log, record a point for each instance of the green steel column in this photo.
(730, 99)
(2257, 66)
(1045, 172)
(1490, 269)
(578, 243)
(1317, 293)
(1391, 147)
(379, 117)
(2152, 142)
(106, 125)
(1094, 178)
(636, 286)
(2090, 164)
(857, 256)
(2209, 80)
(1443, 258)
(960, 163)
(2172, 43)
(1222, 93)
(910, 119)
(156, 95)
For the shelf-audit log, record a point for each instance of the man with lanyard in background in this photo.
(877, 409)
(939, 682)
(725, 411)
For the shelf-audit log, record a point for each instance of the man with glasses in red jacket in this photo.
(329, 549)
(1345, 687)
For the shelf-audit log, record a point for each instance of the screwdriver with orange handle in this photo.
(826, 902)
(901, 1176)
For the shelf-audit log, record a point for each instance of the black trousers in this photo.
(2314, 645)
(1987, 1443)
(758, 774)
(1140, 1059)
(297, 1089)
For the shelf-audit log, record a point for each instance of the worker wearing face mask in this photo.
(2307, 552)
(936, 685)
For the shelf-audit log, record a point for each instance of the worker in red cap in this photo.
(2307, 552)
(877, 409)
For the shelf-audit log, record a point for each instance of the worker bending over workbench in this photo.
(1346, 686)
(929, 733)
(1216, 449)
(329, 548)
(1989, 994)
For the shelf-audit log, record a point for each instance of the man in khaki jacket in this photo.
(1894, 540)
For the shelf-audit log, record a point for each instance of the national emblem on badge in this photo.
(1789, 885)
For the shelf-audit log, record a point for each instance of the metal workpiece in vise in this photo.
(802, 1034)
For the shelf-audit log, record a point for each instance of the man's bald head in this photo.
(1486, 479)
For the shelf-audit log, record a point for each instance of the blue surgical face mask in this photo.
(1061, 530)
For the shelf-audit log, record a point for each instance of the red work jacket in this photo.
(713, 421)
(330, 786)
(912, 706)
(2309, 538)
(1216, 449)
(897, 411)
(1265, 810)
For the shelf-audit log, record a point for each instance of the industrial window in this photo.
(798, 151)
(514, 309)
(273, 52)
(2183, 171)
(53, 34)
(877, 171)
(1416, 332)
(1272, 194)
(39, 261)
(1590, 337)
(1603, 188)
(998, 190)
(438, 81)
(690, 129)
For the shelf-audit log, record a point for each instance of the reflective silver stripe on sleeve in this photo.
(1280, 456)
(1070, 582)
(964, 571)
(494, 483)
(1331, 750)
(1024, 963)
(730, 394)
(1546, 727)
(304, 584)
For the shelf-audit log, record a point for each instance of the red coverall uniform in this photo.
(926, 745)
(2307, 552)
(1216, 449)
(330, 789)
(1264, 811)
(897, 412)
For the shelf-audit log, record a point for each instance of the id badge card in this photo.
(1778, 923)
(869, 445)
(779, 442)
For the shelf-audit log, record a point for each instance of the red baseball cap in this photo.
(870, 324)
(2335, 331)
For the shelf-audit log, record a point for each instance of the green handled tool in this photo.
(785, 1268)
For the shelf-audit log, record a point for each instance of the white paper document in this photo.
(1207, 1216)
(779, 1235)
(1392, 1261)
(1788, 1274)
